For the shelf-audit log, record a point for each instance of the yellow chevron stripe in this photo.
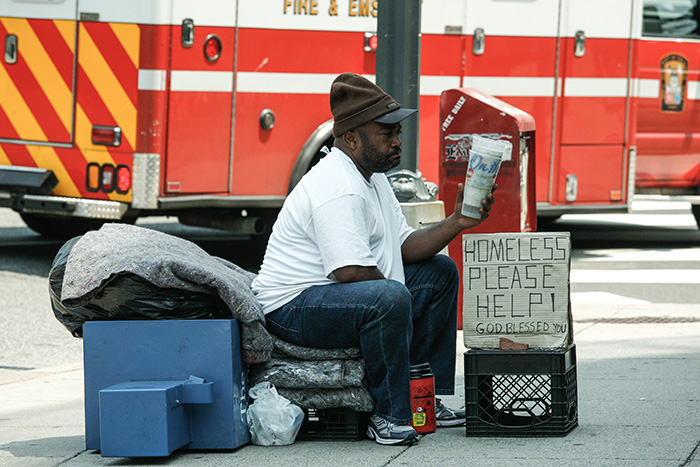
(83, 124)
(129, 35)
(46, 157)
(45, 72)
(67, 31)
(28, 128)
(114, 97)
(18, 111)
(107, 86)
(4, 160)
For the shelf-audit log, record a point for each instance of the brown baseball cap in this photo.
(355, 100)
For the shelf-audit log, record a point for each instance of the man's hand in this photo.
(486, 204)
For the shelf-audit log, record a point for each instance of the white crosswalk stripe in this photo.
(636, 276)
(636, 255)
(605, 297)
(592, 267)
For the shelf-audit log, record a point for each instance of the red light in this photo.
(123, 179)
(107, 178)
(212, 47)
(106, 135)
(371, 42)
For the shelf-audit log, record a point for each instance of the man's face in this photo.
(381, 146)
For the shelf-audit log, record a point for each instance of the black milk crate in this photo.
(341, 424)
(521, 393)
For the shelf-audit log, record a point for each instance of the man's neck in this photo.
(350, 154)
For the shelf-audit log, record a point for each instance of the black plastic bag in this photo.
(129, 297)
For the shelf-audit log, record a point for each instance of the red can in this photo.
(422, 398)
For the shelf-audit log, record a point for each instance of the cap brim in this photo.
(395, 116)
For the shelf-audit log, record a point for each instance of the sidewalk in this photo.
(638, 395)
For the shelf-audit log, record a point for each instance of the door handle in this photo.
(187, 35)
(579, 44)
(10, 49)
(479, 41)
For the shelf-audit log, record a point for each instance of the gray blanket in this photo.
(309, 374)
(169, 262)
(316, 378)
(287, 350)
(353, 398)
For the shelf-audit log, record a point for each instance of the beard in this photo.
(375, 160)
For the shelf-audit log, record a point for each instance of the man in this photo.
(344, 269)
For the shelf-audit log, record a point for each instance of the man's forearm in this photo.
(357, 274)
(426, 243)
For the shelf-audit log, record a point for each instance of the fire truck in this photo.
(213, 110)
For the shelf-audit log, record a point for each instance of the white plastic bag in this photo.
(272, 419)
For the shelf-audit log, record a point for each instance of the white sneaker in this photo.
(385, 432)
(445, 416)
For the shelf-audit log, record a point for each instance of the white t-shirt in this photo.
(333, 218)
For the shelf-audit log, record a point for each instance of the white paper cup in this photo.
(485, 158)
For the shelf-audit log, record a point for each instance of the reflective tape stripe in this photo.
(46, 74)
(595, 87)
(511, 86)
(205, 81)
(647, 88)
(285, 83)
(129, 39)
(4, 160)
(435, 85)
(318, 83)
(47, 157)
(95, 63)
(23, 120)
(152, 80)
(650, 88)
(307, 83)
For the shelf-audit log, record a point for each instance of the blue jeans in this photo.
(394, 325)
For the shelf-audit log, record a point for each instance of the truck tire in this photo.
(312, 152)
(60, 226)
(695, 208)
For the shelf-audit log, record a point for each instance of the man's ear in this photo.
(350, 139)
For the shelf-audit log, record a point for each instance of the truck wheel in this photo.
(59, 226)
(695, 208)
(312, 152)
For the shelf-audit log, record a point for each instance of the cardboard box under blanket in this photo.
(516, 290)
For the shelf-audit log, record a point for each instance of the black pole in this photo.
(398, 66)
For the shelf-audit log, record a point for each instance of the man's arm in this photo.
(357, 274)
(425, 243)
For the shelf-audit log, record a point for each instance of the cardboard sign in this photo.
(516, 290)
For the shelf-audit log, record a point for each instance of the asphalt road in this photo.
(650, 255)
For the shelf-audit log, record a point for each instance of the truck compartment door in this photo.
(200, 107)
(594, 58)
(511, 54)
(36, 71)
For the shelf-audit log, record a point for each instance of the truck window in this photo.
(672, 18)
